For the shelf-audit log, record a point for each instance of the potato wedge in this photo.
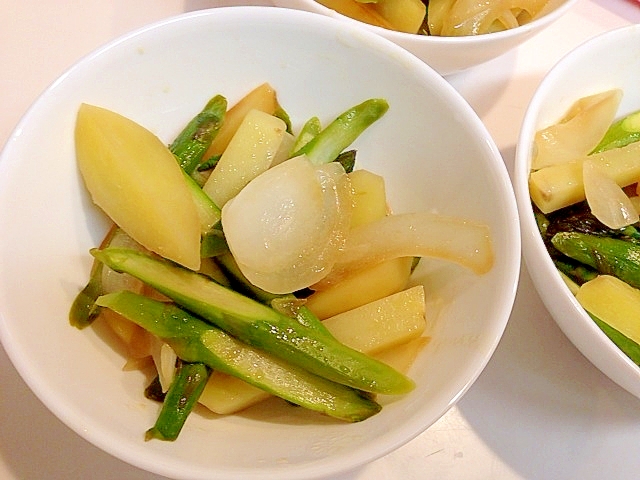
(136, 180)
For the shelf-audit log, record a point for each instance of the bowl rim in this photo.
(509, 296)
(533, 244)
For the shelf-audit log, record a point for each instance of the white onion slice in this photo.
(113, 281)
(606, 199)
(578, 132)
(164, 358)
(414, 235)
(286, 227)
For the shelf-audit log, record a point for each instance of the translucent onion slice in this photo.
(285, 229)
(607, 201)
(414, 235)
(113, 281)
(164, 358)
(473, 17)
(578, 132)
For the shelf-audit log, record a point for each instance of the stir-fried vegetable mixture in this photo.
(445, 18)
(584, 187)
(246, 262)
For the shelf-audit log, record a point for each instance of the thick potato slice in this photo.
(558, 186)
(225, 394)
(262, 98)
(401, 357)
(136, 180)
(369, 197)
(383, 323)
(250, 152)
(362, 287)
(614, 302)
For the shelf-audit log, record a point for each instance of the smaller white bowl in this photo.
(607, 61)
(446, 55)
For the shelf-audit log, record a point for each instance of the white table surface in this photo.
(540, 410)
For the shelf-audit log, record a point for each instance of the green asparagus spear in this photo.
(310, 129)
(287, 304)
(576, 271)
(609, 256)
(83, 310)
(189, 147)
(339, 134)
(193, 340)
(191, 144)
(283, 115)
(179, 401)
(259, 325)
(621, 133)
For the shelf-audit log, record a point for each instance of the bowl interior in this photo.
(432, 149)
(614, 55)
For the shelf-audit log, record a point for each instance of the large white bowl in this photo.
(607, 61)
(447, 55)
(431, 147)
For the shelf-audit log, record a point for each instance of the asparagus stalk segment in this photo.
(179, 401)
(285, 303)
(326, 145)
(259, 325)
(621, 133)
(609, 256)
(193, 141)
(196, 341)
(310, 129)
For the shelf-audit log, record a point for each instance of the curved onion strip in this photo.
(471, 17)
(578, 132)
(285, 229)
(164, 358)
(414, 235)
(606, 199)
(113, 281)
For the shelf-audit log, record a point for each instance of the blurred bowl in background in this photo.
(447, 55)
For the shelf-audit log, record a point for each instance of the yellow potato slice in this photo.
(250, 152)
(136, 180)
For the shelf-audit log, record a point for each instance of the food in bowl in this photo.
(584, 187)
(251, 241)
(443, 17)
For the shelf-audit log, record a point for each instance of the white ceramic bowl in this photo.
(604, 62)
(446, 55)
(431, 147)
